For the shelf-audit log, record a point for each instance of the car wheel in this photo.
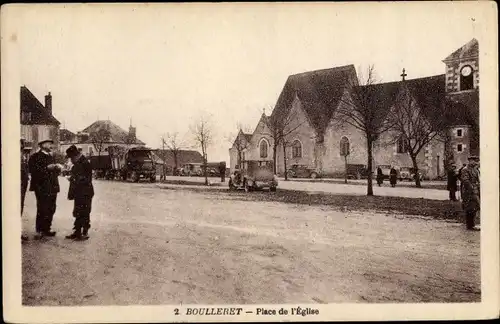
(135, 177)
(314, 175)
(272, 189)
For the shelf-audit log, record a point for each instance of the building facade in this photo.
(309, 105)
(97, 137)
(37, 120)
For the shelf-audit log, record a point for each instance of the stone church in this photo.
(310, 101)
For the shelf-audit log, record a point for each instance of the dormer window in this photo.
(466, 78)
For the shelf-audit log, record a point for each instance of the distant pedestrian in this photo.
(452, 182)
(24, 181)
(380, 176)
(81, 191)
(45, 183)
(471, 191)
(222, 171)
(393, 177)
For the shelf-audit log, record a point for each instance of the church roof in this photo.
(246, 136)
(318, 91)
(118, 134)
(183, 157)
(471, 49)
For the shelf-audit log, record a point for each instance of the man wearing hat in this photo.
(81, 191)
(471, 191)
(45, 183)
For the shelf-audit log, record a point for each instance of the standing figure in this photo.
(393, 176)
(24, 181)
(222, 171)
(452, 182)
(45, 183)
(380, 176)
(81, 192)
(471, 191)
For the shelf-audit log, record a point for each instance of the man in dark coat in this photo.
(24, 181)
(222, 171)
(452, 182)
(471, 191)
(380, 176)
(393, 176)
(81, 192)
(45, 183)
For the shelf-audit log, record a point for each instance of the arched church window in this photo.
(344, 146)
(402, 145)
(466, 78)
(263, 148)
(296, 149)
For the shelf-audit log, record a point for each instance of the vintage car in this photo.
(408, 173)
(357, 171)
(192, 169)
(302, 171)
(254, 175)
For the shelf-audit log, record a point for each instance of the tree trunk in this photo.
(275, 158)
(345, 173)
(176, 162)
(203, 150)
(369, 190)
(284, 161)
(415, 169)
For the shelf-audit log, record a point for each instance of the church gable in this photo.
(319, 93)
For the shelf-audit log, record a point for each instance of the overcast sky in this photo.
(162, 66)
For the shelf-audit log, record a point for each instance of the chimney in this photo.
(48, 103)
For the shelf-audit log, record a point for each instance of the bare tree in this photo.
(99, 138)
(412, 128)
(175, 145)
(203, 137)
(281, 126)
(364, 108)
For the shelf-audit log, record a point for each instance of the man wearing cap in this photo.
(45, 183)
(81, 191)
(471, 191)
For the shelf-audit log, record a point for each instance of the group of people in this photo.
(393, 176)
(469, 189)
(42, 172)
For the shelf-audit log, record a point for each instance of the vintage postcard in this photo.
(234, 162)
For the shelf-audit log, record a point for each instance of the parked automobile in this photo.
(405, 174)
(357, 171)
(192, 169)
(408, 173)
(302, 171)
(254, 175)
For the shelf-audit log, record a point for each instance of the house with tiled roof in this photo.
(312, 98)
(37, 120)
(112, 134)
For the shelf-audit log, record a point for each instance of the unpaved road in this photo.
(157, 246)
(403, 189)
